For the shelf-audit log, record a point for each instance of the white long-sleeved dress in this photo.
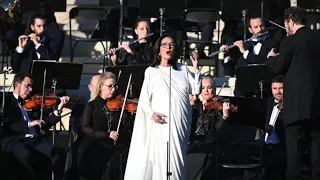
(148, 150)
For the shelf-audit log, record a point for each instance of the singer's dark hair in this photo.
(18, 78)
(277, 79)
(297, 15)
(156, 53)
(32, 20)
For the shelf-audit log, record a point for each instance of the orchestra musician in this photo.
(148, 149)
(255, 51)
(36, 44)
(103, 151)
(138, 53)
(76, 135)
(298, 61)
(93, 83)
(23, 136)
(205, 123)
(275, 140)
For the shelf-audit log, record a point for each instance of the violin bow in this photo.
(43, 87)
(124, 102)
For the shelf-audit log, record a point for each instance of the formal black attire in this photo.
(14, 139)
(201, 152)
(257, 58)
(98, 157)
(256, 55)
(299, 63)
(142, 54)
(275, 146)
(52, 31)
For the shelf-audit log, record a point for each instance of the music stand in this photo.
(254, 78)
(58, 75)
(251, 112)
(136, 80)
(43, 5)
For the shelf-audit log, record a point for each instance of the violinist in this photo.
(275, 145)
(205, 123)
(103, 151)
(21, 135)
(138, 53)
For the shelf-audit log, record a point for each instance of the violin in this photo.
(117, 103)
(51, 100)
(217, 104)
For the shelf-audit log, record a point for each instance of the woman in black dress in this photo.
(138, 53)
(103, 151)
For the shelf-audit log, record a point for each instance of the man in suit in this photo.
(255, 51)
(35, 44)
(299, 62)
(275, 147)
(23, 136)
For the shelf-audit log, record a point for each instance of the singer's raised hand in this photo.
(195, 60)
(23, 41)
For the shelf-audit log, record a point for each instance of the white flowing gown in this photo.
(147, 158)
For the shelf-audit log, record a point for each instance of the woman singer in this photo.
(103, 152)
(137, 53)
(159, 113)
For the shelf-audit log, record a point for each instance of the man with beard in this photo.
(298, 61)
(34, 45)
(275, 146)
(255, 51)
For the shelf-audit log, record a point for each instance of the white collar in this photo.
(16, 96)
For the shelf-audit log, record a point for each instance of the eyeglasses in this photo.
(169, 45)
(110, 86)
(28, 86)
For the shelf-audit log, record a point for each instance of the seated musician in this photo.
(255, 51)
(103, 151)
(138, 53)
(23, 136)
(36, 44)
(203, 132)
(275, 146)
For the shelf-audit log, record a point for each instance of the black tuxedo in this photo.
(267, 45)
(13, 139)
(299, 62)
(22, 62)
(274, 155)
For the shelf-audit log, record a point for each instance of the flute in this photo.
(231, 46)
(118, 48)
